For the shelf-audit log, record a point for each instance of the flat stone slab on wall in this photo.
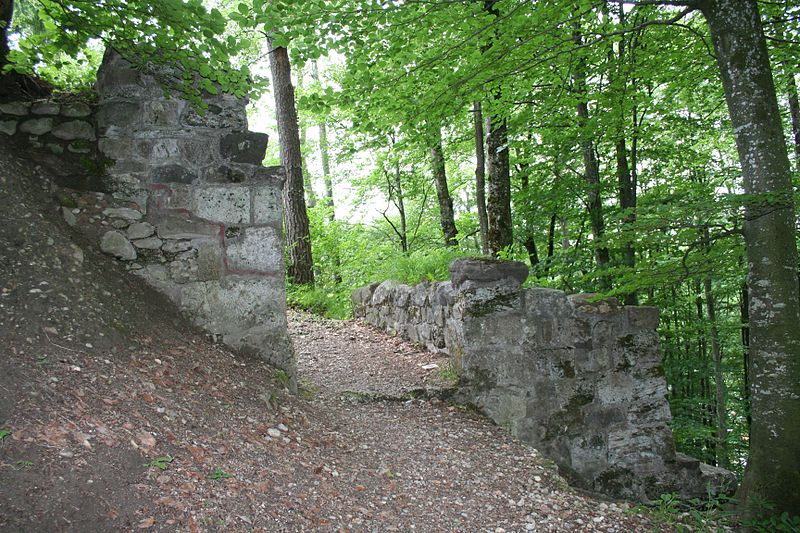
(579, 379)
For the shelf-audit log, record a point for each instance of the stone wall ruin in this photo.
(579, 379)
(180, 197)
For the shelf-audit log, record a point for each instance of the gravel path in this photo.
(425, 465)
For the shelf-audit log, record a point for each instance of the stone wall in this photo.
(579, 379)
(178, 195)
(210, 234)
(57, 133)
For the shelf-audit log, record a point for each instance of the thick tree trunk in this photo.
(446, 217)
(498, 204)
(6, 14)
(500, 232)
(480, 178)
(298, 239)
(773, 468)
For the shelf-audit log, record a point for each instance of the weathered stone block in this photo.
(229, 205)
(45, 108)
(114, 243)
(75, 110)
(161, 112)
(8, 127)
(180, 226)
(36, 126)
(118, 117)
(172, 174)
(75, 129)
(140, 230)
(256, 249)
(480, 271)
(267, 205)
(244, 147)
(125, 213)
(150, 243)
(19, 109)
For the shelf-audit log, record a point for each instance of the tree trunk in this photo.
(627, 202)
(6, 14)
(480, 178)
(719, 379)
(591, 171)
(446, 218)
(794, 111)
(311, 198)
(323, 153)
(298, 239)
(773, 468)
(498, 204)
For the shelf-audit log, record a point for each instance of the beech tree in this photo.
(773, 468)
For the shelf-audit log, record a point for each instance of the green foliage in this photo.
(716, 514)
(218, 474)
(283, 378)
(161, 462)
(63, 41)
(332, 302)
(4, 433)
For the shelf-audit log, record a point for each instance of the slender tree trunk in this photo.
(773, 468)
(627, 202)
(399, 202)
(794, 111)
(551, 243)
(723, 459)
(744, 310)
(311, 198)
(301, 264)
(480, 178)
(446, 217)
(591, 171)
(324, 154)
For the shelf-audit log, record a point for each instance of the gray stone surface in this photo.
(150, 243)
(76, 110)
(19, 109)
(140, 230)
(37, 126)
(8, 127)
(114, 243)
(125, 213)
(75, 129)
(578, 377)
(267, 205)
(172, 174)
(45, 108)
(253, 250)
(228, 205)
(244, 147)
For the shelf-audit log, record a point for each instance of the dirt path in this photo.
(424, 465)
